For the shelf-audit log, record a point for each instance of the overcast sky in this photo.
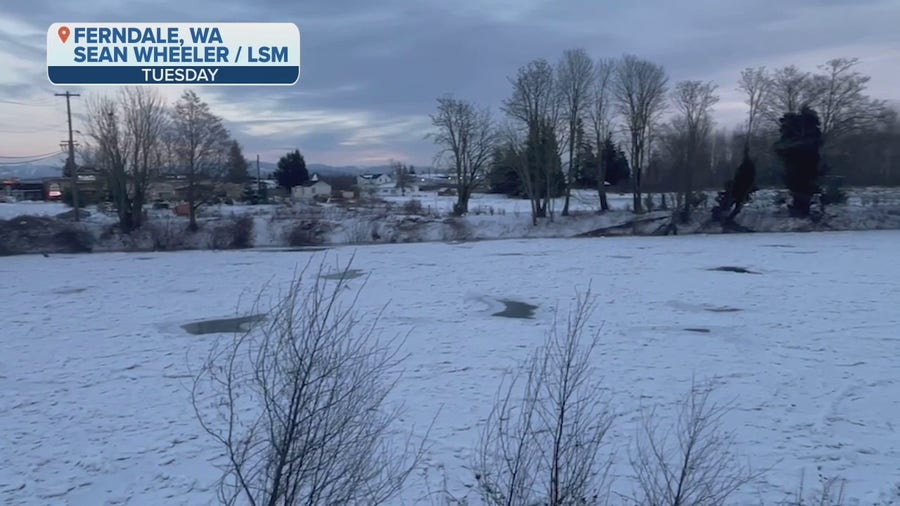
(371, 70)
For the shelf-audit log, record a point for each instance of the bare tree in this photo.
(790, 89)
(166, 157)
(507, 467)
(298, 405)
(201, 143)
(699, 466)
(639, 89)
(547, 446)
(756, 84)
(535, 106)
(125, 135)
(841, 101)
(402, 178)
(694, 101)
(574, 76)
(600, 114)
(466, 137)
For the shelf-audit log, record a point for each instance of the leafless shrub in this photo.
(440, 496)
(236, 233)
(358, 231)
(695, 466)
(829, 493)
(298, 404)
(306, 233)
(166, 234)
(242, 233)
(545, 447)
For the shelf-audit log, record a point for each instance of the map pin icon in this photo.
(64, 33)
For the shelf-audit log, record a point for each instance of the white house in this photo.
(383, 185)
(373, 180)
(311, 190)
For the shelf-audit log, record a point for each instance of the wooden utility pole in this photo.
(258, 182)
(70, 161)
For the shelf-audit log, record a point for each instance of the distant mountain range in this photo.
(47, 170)
(32, 171)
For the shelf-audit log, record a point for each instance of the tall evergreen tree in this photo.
(586, 169)
(236, 165)
(545, 165)
(615, 162)
(503, 176)
(291, 170)
(800, 151)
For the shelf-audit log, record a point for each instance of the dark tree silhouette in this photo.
(737, 193)
(800, 151)
(291, 170)
(236, 165)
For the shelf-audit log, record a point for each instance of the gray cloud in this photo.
(371, 70)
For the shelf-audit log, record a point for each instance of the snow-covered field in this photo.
(94, 407)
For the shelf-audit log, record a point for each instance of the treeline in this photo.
(134, 137)
(861, 135)
(590, 123)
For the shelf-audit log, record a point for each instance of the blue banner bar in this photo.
(246, 75)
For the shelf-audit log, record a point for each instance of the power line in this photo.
(26, 131)
(32, 156)
(26, 162)
(25, 104)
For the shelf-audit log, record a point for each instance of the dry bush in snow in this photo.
(358, 231)
(234, 233)
(544, 440)
(829, 493)
(298, 404)
(165, 234)
(694, 465)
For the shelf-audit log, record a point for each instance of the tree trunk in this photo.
(461, 206)
(192, 208)
(137, 208)
(601, 185)
(548, 197)
(565, 211)
(604, 201)
(636, 154)
(688, 186)
(636, 193)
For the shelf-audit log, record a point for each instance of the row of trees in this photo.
(545, 118)
(563, 126)
(135, 136)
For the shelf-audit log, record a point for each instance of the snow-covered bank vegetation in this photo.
(422, 217)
